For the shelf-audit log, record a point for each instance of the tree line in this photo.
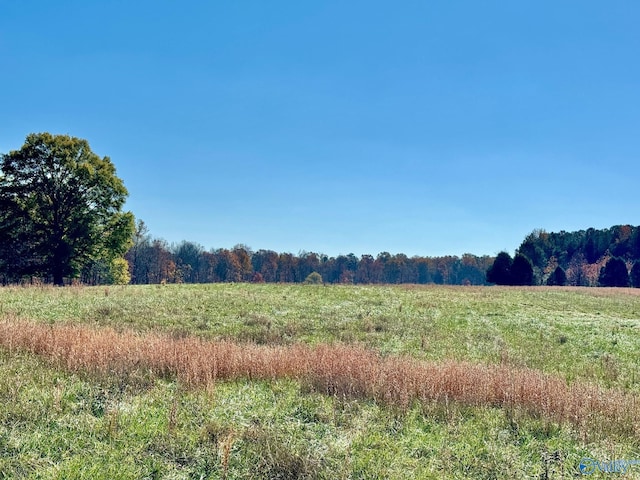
(606, 257)
(153, 260)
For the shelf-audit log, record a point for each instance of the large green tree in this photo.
(60, 209)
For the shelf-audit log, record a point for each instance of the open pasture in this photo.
(337, 381)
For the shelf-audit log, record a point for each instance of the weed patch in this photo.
(335, 370)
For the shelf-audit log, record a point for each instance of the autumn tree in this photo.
(60, 208)
(365, 270)
(242, 255)
(341, 269)
(150, 260)
(137, 256)
(188, 257)
(287, 268)
(162, 266)
(228, 269)
(265, 262)
(308, 262)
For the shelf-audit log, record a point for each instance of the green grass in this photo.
(589, 334)
(55, 424)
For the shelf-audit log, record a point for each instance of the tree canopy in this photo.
(581, 254)
(60, 209)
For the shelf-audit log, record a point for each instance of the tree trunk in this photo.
(58, 277)
(58, 263)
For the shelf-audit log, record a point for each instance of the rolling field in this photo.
(293, 381)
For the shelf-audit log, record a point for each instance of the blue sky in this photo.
(427, 128)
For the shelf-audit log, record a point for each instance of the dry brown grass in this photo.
(341, 370)
(592, 291)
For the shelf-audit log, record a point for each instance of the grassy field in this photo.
(61, 418)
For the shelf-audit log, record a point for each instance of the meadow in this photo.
(298, 381)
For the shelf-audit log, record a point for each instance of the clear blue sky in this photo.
(427, 128)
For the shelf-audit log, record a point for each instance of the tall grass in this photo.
(586, 334)
(334, 369)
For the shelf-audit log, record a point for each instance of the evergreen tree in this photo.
(521, 271)
(614, 274)
(558, 277)
(635, 274)
(500, 272)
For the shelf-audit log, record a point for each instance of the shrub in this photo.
(314, 278)
(119, 271)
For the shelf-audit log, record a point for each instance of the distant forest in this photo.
(155, 261)
(608, 257)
